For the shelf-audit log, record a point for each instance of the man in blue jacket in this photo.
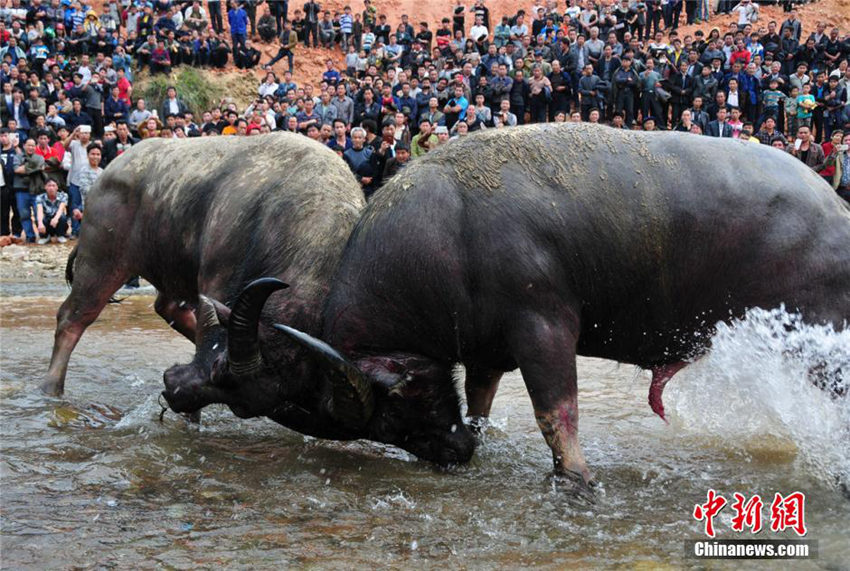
(238, 20)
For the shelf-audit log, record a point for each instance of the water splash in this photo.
(755, 387)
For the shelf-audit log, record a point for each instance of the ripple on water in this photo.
(95, 480)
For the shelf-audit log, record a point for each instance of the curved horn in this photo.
(352, 400)
(243, 347)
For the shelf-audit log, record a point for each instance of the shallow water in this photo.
(95, 480)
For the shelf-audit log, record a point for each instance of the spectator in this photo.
(841, 181)
(424, 141)
(325, 110)
(540, 93)
(76, 144)
(195, 17)
(346, 29)
(51, 208)
(237, 19)
(311, 23)
(88, 174)
(504, 118)
(28, 183)
(123, 141)
(160, 59)
(719, 127)
(805, 149)
(327, 34)
(627, 82)
(830, 151)
(115, 108)
(247, 57)
(366, 163)
(805, 105)
(288, 41)
(214, 7)
(344, 105)
(8, 205)
(139, 115)
(267, 27)
(340, 138)
(768, 133)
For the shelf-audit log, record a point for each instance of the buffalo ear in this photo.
(352, 400)
(392, 376)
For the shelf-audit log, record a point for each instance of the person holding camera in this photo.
(504, 118)
(841, 178)
(76, 145)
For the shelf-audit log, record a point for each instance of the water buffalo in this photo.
(528, 246)
(202, 218)
(207, 216)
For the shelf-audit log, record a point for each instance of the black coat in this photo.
(713, 130)
(111, 149)
(681, 88)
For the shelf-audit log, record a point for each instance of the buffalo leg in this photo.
(178, 315)
(481, 385)
(93, 286)
(546, 353)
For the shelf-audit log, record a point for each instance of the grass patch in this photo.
(200, 90)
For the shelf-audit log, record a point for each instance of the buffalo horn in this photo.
(352, 401)
(243, 346)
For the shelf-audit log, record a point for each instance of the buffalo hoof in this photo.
(52, 388)
(578, 491)
(478, 424)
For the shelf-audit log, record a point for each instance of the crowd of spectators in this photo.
(69, 109)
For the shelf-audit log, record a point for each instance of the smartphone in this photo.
(797, 144)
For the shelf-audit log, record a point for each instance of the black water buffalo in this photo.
(207, 216)
(525, 247)
(202, 218)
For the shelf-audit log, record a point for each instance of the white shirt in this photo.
(733, 99)
(477, 31)
(79, 160)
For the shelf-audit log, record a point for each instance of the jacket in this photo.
(111, 150)
(713, 130)
(681, 87)
(816, 158)
(238, 20)
(164, 110)
(23, 115)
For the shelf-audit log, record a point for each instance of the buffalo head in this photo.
(404, 400)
